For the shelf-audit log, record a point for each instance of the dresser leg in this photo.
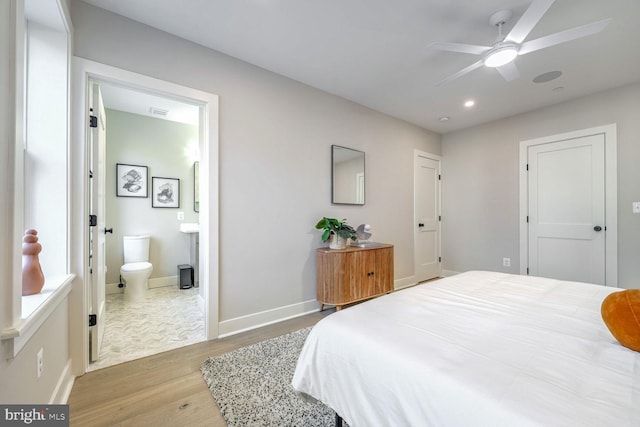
(321, 306)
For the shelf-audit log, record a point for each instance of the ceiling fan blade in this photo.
(460, 47)
(509, 71)
(563, 36)
(460, 73)
(528, 20)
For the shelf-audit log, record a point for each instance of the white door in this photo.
(426, 216)
(566, 198)
(97, 262)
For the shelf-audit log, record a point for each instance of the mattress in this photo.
(475, 349)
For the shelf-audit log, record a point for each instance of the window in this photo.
(45, 146)
(42, 160)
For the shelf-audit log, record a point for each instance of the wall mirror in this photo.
(347, 176)
(196, 186)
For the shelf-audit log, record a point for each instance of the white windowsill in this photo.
(35, 310)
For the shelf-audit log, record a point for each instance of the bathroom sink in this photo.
(190, 227)
(366, 244)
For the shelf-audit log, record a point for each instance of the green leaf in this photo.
(321, 224)
(334, 226)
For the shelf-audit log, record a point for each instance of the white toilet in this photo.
(136, 269)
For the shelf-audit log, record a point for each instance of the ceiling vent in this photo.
(158, 111)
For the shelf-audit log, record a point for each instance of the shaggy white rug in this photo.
(252, 385)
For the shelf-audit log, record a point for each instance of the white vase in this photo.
(337, 242)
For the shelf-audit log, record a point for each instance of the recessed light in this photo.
(470, 103)
(547, 77)
(444, 119)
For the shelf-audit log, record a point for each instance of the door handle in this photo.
(597, 228)
(108, 230)
(420, 224)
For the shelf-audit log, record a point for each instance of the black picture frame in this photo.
(165, 192)
(347, 176)
(132, 180)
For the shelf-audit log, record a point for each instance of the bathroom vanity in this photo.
(193, 231)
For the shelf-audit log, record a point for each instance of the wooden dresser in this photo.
(353, 274)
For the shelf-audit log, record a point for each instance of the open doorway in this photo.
(136, 139)
(205, 153)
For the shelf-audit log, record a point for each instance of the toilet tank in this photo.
(136, 248)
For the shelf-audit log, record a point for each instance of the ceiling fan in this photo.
(506, 48)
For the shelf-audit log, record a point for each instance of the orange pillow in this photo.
(621, 314)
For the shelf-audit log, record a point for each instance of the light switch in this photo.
(636, 207)
(180, 216)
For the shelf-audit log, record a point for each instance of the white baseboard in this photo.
(267, 317)
(447, 273)
(160, 282)
(112, 288)
(405, 282)
(157, 282)
(60, 395)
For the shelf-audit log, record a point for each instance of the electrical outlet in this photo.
(40, 362)
(180, 216)
(635, 207)
(506, 262)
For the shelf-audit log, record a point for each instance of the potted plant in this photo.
(337, 232)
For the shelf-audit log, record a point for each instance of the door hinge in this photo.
(439, 217)
(93, 320)
(439, 177)
(439, 259)
(93, 121)
(527, 166)
(93, 220)
(527, 218)
(90, 174)
(527, 271)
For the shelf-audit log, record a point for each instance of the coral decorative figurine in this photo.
(32, 276)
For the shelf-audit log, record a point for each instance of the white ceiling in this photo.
(146, 104)
(375, 52)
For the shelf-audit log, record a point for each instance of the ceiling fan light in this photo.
(500, 56)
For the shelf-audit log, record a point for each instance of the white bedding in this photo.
(475, 349)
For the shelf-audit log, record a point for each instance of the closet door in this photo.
(567, 209)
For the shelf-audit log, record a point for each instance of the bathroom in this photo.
(151, 176)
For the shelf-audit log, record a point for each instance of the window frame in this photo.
(25, 314)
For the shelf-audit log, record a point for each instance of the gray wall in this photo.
(275, 160)
(162, 146)
(480, 181)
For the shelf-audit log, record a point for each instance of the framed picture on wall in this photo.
(165, 192)
(131, 180)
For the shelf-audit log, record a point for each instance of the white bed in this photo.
(475, 349)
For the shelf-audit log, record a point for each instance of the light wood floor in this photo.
(166, 389)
